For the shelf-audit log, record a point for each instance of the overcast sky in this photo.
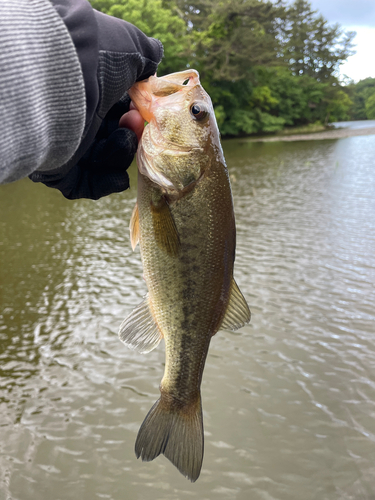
(359, 16)
(347, 12)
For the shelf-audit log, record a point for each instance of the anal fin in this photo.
(139, 330)
(237, 313)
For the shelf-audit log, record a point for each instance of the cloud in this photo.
(359, 16)
(347, 12)
(353, 15)
(362, 64)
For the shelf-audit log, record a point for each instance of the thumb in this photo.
(133, 121)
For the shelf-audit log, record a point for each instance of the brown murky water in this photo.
(289, 401)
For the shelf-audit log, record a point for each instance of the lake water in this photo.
(289, 401)
(355, 124)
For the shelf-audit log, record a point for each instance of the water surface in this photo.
(289, 401)
(355, 124)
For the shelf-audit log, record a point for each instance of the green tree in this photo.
(338, 105)
(370, 107)
(297, 97)
(311, 46)
(232, 36)
(360, 93)
(265, 66)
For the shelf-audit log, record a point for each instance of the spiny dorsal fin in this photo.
(134, 227)
(165, 231)
(238, 312)
(139, 330)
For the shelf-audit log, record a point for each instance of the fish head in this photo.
(181, 138)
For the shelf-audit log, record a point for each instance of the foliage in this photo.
(360, 93)
(370, 107)
(338, 106)
(311, 46)
(234, 36)
(265, 65)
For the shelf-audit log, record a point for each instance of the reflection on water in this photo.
(289, 401)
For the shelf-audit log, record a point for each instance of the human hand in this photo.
(102, 170)
(113, 57)
(133, 121)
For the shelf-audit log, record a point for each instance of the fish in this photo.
(184, 223)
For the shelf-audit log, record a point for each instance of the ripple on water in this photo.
(288, 401)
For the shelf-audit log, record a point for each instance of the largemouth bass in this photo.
(184, 222)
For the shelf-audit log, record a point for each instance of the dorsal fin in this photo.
(134, 227)
(139, 330)
(238, 312)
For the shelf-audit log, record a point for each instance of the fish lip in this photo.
(145, 94)
(180, 76)
(143, 100)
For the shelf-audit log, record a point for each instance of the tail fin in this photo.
(175, 432)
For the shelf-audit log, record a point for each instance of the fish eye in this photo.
(199, 111)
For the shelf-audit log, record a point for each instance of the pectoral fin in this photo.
(238, 312)
(139, 330)
(134, 227)
(165, 231)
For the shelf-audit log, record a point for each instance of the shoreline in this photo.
(316, 136)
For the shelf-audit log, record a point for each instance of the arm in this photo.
(67, 69)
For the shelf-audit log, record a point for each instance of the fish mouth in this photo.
(146, 93)
(145, 96)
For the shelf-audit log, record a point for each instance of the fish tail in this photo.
(177, 432)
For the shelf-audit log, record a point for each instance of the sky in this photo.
(359, 16)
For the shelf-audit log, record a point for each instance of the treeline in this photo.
(266, 65)
(362, 95)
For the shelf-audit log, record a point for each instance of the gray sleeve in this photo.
(42, 91)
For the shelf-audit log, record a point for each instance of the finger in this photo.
(134, 121)
(119, 150)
